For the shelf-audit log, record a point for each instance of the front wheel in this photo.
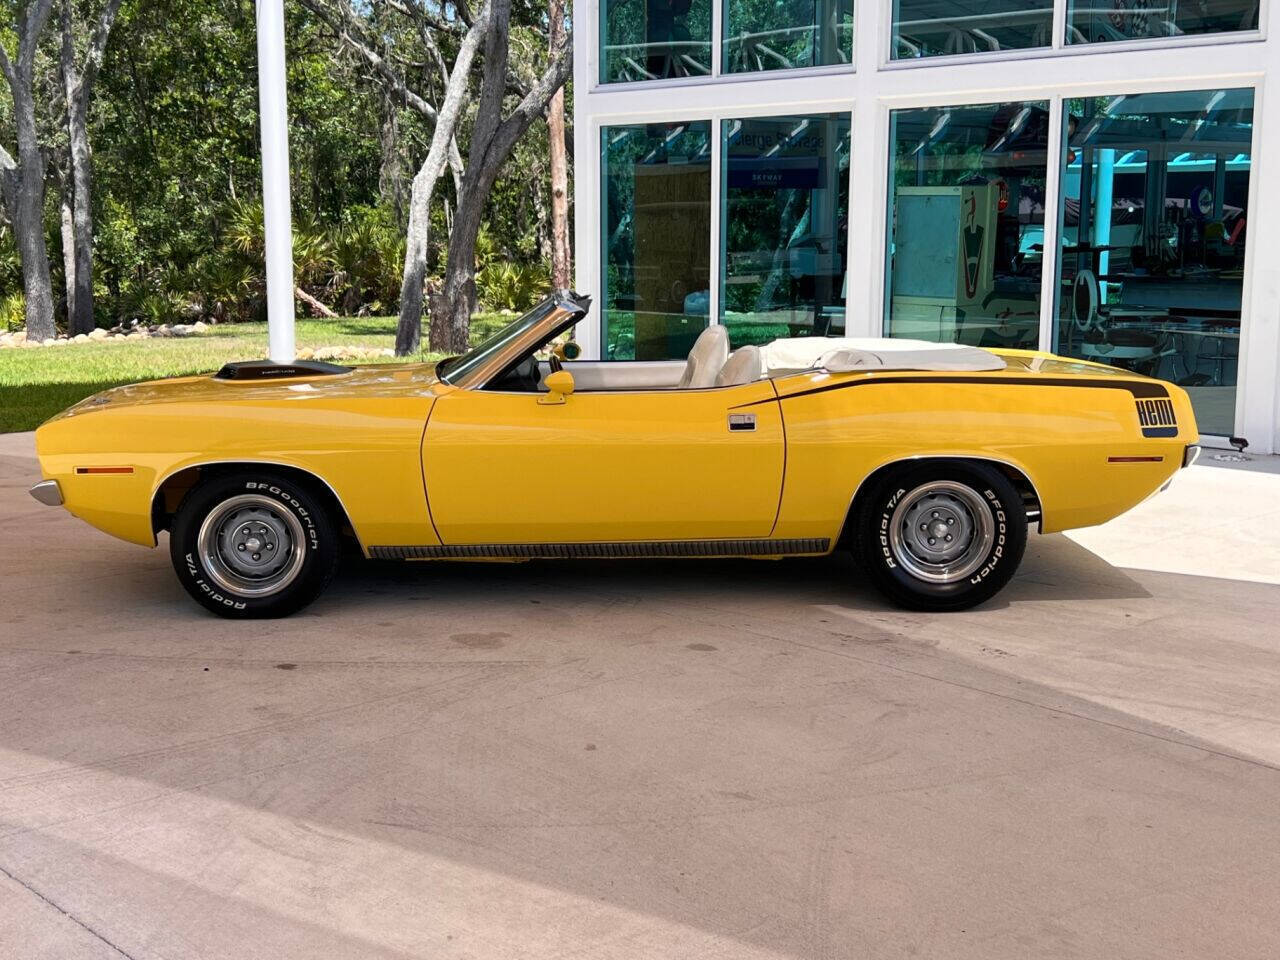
(253, 545)
(941, 536)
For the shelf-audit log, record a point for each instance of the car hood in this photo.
(365, 381)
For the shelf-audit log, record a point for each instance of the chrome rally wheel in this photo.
(941, 531)
(939, 534)
(250, 547)
(254, 544)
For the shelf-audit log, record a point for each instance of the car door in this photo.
(657, 465)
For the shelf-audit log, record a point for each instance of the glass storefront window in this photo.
(1155, 208)
(929, 28)
(1091, 22)
(785, 213)
(654, 39)
(966, 227)
(784, 34)
(656, 238)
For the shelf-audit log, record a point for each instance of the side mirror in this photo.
(569, 350)
(559, 385)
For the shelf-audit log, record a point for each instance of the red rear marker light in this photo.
(1135, 459)
(83, 470)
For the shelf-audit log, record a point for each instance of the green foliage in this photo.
(12, 307)
(177, 175)
(512, 286)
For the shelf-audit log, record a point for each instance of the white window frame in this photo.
(1236, 60)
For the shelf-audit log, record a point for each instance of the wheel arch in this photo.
(1014, 473)
(175, 485)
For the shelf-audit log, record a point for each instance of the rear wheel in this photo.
(941, 535)
(253, 545)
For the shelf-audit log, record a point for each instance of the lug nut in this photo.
(240, 546)
(257, 556)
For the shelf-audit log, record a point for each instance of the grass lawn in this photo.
(37, 383)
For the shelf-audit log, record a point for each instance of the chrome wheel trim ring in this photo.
(250, 546)
(941, 532)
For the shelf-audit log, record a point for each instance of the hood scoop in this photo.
(266, 370)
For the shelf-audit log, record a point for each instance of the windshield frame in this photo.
(547, 319)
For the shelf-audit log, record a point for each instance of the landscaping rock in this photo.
(98, 334)
(81, 338)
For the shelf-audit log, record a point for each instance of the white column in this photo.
(274, 120)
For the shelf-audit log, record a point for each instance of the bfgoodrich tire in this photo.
(941, 535)
(252, 545)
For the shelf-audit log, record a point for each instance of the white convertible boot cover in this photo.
(844, 354)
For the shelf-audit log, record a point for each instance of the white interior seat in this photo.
(745, 365)
(707, 357)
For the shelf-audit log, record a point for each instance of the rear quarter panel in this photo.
(1060, 436)
(363, 443)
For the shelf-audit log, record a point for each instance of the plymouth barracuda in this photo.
(928, 461)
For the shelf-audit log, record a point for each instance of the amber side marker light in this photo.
(83, 470)
(1135, 459)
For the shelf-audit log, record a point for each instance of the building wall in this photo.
(1063, 81)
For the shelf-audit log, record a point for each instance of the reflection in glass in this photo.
(654, 39)
(929, 28)
(772, 35)
(656, 239)
(785, 198)
(1155, 195)
(966, 231)
(1096, 21)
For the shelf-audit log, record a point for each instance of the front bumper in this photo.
(1190, 454)
(48, 492)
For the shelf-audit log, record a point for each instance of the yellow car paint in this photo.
(648, 465)
(418, 463)
(359, 433)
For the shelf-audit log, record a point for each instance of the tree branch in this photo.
(30, 26)
(534, 102)
(347, 32)
(6, 67)
(98, 45)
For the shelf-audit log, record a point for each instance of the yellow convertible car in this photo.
(927, 460)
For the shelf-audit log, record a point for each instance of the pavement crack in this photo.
(66, 913)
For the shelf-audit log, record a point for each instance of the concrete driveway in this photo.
(633, 760)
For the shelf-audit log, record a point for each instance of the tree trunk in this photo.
(560, 253)
(409, 329)
(80, 308)
(391, 169)
(24, 193)
(23, 182)
(67, 224)
(77, 86)
(28, 230)
(451, 310)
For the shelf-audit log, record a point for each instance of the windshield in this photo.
(456, 369)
